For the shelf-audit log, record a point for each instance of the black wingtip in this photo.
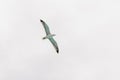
(41, 20)
(58, 51)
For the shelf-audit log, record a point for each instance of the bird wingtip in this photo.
(58, 51)
(41, 20)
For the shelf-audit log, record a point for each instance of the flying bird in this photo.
(49, 36)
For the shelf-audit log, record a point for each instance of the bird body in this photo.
(50, 36)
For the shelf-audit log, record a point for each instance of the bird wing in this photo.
(54, 44)
(45, 27)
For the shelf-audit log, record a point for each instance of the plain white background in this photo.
(87, 32)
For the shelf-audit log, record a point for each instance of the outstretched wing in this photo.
(54, 44)
(45, 27)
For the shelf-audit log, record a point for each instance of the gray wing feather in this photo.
(45, 27)
(54, 44)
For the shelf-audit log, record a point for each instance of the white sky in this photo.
(87, 32)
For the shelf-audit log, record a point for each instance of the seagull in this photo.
(49, 36)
